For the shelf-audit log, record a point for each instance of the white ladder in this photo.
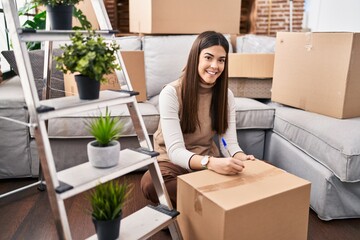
(72, 181)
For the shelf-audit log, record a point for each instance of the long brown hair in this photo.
(190, 86)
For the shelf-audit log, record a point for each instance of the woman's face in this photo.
(211, 63)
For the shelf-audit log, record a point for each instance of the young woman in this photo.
(193, 109)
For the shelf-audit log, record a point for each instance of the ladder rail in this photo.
(139, 125)
(39, 119)
(22, 60)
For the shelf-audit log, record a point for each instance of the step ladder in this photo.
(70, 182)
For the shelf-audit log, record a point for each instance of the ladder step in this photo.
(172, 213)
(32, 35)
(142, 224)
(69, 105)
(84, 176)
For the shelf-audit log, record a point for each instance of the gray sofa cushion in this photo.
(335, 143)
(330, 198)
(252, 114)
(37, 64)
(251, 43)
(73, 126)
(16, 159)
(129, 43)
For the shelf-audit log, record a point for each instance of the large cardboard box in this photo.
(250, 74)
(135, 66)
(184, 17)
(318, 72)
(262, 202)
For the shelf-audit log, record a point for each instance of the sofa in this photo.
(292, 139)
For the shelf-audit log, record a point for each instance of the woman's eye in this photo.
(207, 57)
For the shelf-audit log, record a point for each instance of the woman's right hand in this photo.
(226, 166)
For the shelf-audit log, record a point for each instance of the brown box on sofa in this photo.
(184, 17)
(263, 202)
(250, 74)
(318, 72)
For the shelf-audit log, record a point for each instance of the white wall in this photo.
(333, 15)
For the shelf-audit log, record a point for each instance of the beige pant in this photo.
(169, 171)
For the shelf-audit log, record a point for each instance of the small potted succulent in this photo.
(107, 201)
(60, 12)
(104, 151)
(91, 58)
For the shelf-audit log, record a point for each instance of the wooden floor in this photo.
(27, 215)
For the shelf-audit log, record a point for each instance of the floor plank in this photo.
(27, 215)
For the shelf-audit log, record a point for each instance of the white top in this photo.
(173, 136)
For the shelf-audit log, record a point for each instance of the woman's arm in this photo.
(230, 135)
(171, 130)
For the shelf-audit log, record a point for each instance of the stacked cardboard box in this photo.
(262, 202)
(250, 74)
(184, 17)
(318, 72)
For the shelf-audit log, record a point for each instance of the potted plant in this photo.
(60, 12)
(92, 58)
(38, 21)
(104, 151)
(107, 200)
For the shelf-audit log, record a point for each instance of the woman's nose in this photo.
(214, 64)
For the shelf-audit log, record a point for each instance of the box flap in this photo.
(251, 65)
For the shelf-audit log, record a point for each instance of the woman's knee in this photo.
(147, 187)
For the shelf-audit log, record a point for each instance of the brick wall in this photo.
(273, 16)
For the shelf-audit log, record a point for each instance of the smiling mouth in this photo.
(211, 72)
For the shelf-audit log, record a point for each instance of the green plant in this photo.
(107, 200)
(38, 21)
(88, 55)
(56, 2)
(105, 128)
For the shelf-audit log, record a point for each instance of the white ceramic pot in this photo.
(103, 157)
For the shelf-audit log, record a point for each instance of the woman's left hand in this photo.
(244, 157)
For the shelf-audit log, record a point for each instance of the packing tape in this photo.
(240, 180)
(308, 41)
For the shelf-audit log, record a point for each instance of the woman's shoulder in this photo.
(171, 87)
(230, 93)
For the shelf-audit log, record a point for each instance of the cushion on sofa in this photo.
(73, 126)
(165, 58)
(16, 157)
(252, 114)
(335, 143)
(37, 64)
(129, 43)
(330, 198)
(251, 43)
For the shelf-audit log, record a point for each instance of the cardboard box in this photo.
(184, 17)
(135, 66)
(263, 202)
(251, 65)
(88, 10)
(318, 72)
(250, 74)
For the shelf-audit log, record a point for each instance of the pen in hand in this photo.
(225, 146)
